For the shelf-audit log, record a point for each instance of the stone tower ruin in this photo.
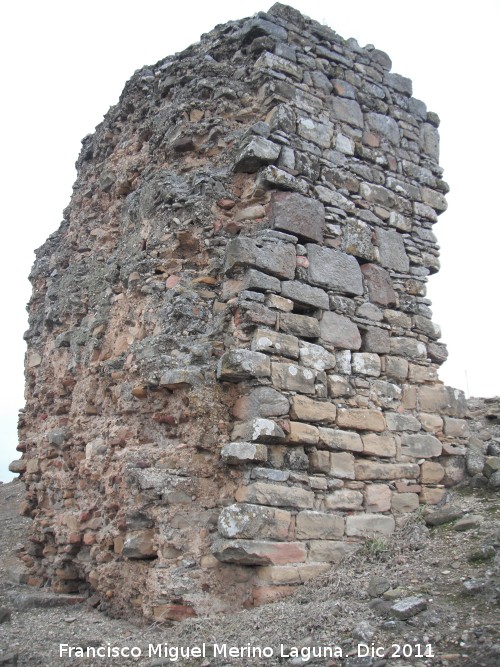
(232, 370)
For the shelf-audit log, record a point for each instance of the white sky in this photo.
(64, 63)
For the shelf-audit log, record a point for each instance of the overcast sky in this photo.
(65, 63)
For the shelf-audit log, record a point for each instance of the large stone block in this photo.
(342, 465)
(384, 125)
(259, 552)
(379, 445)
(315, 356)
(456, 428)
(256, 153)
(300, 573)
(361, 419)
(254, 522)
(421, 446)
(339, 331)
(404, 502)
(243, 452)
(272, 342)
(276, 258)
(340, 440)
(329, 551)
(258, 430)
(299, 325)
(275, 495)
(334, 269)
(292, 378)
(237, 365)
(377, 498)
(379, 285)
(308, 410)
(442, 399)
(392, 252)
(261, 402)
(319, 133)
(377, 340)
(369, 525)
(366, 470)
(302, 434)
(295, 214)
(305, 294)
(346, 110)
(319, 462)
(366, 363)
(408, 347)
(318, 526)
(344, 499)
(401, 422)
(357, 240)
(431, 472)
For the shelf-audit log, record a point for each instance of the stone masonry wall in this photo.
(232, 367)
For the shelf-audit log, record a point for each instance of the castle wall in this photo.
(232, 368)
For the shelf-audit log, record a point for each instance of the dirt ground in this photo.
(455, 574)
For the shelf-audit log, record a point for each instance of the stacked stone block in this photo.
(232, 369)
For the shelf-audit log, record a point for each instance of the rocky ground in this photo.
(451, 576)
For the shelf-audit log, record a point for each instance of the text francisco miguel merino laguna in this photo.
(174, 653)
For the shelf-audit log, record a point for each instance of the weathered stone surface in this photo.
(357, 240)
(334, 270)
(237, 365)
(300, 325)
(431, 472)
(442, 399)
(420, 446)
(347, 110)
(272, 342)
(292, 378)
(330, 551)
(340, 440)
(408, 347)
(369, 525)
(344, 499)
(319, 462)
(401, 422)
(375, 470)
(396, 368)
(379, 285)
(242, 452)
(361, 419)
(258, 430)
(255, 154)
(377, 498)
(379, 445)
(456, 428)
(305, 294)
(318, 133)
(302, 434)
(342, 465)
(254, 522)
(366, 363)
(315, 356)
(384, 125)
(404, 502)
(339, 331)
(295, 214)
(179, 378)
(291, 574)
(306, 409)
(277, 258)
(261, 402)
(259, 552)
(274, 495)
(376, 340)
(318, 526)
